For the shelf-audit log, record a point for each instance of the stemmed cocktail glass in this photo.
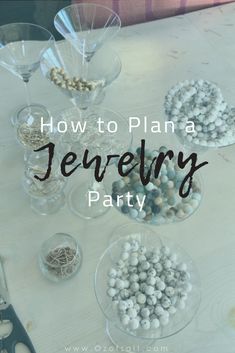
(21, 48)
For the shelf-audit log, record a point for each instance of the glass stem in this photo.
(28, 98)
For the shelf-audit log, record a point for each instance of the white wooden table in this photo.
(154, 56)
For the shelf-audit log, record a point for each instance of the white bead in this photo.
(152, 272)
(155, 323)
(166, 303)
(149, 290)
(132, 313)
(167, 264)
(111, 282)
(134, 324)
(161, 286)
(134, 245)
(134, 261)
(112, 273)
(126, 246)
(145, 313)
(145, 265)
(120, 284)
(151, 281)
(159, 310)
(145, 324)
(125, 256)
(129, 303)
(133, 278)
(152, 300)
(134, 287)
(122, 305)
(169, 291)
(158, 294)
(125, 320)
(172, 310)
(141, 298)
(111, 292)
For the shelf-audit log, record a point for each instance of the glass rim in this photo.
(87, 5)
(51, 37)
(78, 251)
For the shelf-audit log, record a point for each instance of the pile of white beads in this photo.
(147, 287)
(61, 79)
(201, 102)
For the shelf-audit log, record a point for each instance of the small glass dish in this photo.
(60, 257)
(28, 126)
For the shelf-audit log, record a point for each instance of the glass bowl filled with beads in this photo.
(60, 257)
(201, 116)
(159, 202)
(147, 286)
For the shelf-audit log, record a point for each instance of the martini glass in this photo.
(87, 27)
(63, 67)
(21, 48)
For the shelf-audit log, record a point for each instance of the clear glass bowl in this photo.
(60, 257)
(161, 202)
(150, 240)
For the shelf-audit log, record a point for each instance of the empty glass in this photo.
(21, 48)
(87, 27)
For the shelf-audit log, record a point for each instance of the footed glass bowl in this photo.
(151, 241)
(158, 202)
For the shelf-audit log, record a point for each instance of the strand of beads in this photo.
(148, 287)
(202, 103)
(61, 79)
